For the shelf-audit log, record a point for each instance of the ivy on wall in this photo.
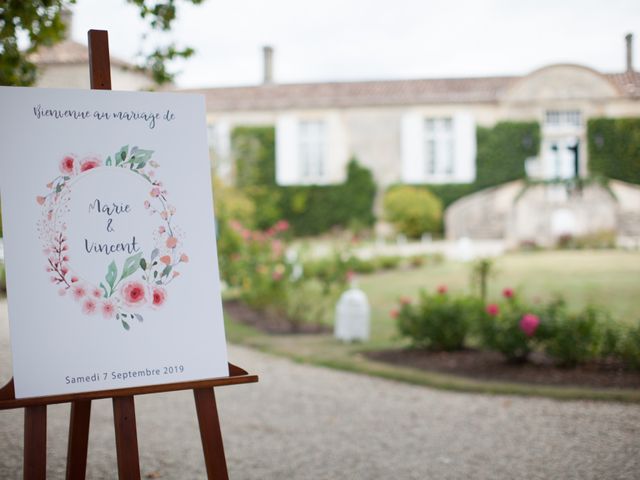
(501, 154)
(310, 209)
(614, 148)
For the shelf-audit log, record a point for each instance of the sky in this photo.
(347, 40)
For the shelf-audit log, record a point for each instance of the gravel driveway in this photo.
(303, 422)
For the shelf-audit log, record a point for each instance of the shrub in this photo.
(330, 272)
(601, 239)
(438, 321)
(413, 211)
(387, 262)
(259, 269)
(573, 338)
(510, 328)
(628, 346)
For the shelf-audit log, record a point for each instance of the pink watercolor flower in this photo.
(89, 306)
(164, 214)
(89, 163)
(162, 230)
(62, 292)
(405, 300)
(78, 291)
(529, 324)
(508, 293)
(184, 258)
(166, 259)
(134, 293)
(67, 164)
(96, 293)
(155, 192)
(159, 296)
(172, 242)
(108, 309)
(40, 199)
(147, 204)
(175, 274)
(74, 279)
(442, 289)
(395, 313)
(493, 309)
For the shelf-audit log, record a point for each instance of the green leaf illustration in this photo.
(154, 254)
(112, 274)
(166, 271)
(131, 264)
(106, 293)
(107, 162)
(121, 156)
(125, 325)
(139, 317)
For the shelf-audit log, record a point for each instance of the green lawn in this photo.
(607, 278)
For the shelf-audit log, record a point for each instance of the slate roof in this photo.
(376, 93)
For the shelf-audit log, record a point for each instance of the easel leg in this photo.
(78, 439)
(35, 443)
(124, 417)
(210, 434)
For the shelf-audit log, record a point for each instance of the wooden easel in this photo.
(35, 409)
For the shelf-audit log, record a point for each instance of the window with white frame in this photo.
(312, 150)
(439, 147)
(563, 118)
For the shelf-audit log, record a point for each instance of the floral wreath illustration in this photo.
(141, 282)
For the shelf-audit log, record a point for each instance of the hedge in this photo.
(614, 148)
(309, 209)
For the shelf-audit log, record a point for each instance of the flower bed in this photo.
(516, 330)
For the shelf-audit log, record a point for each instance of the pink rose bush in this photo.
(440, 321)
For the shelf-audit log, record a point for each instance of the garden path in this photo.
(304, 422)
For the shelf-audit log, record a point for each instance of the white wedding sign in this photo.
(112, 272)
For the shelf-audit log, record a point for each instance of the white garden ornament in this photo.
(352, 316)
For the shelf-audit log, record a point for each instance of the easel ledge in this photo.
(124, 414)
(236, 376)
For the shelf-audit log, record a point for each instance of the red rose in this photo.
(67, 164)
(89, 163)
(159, 296)
(134, 293)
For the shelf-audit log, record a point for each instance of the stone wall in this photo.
(541, 214)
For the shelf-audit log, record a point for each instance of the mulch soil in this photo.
(270, 322)
(476, 364)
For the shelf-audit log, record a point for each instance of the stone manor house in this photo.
(424, 132)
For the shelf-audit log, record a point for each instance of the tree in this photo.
(39, 23)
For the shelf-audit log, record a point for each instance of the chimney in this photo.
(267, 54)
(629, 39)
(66, 16)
